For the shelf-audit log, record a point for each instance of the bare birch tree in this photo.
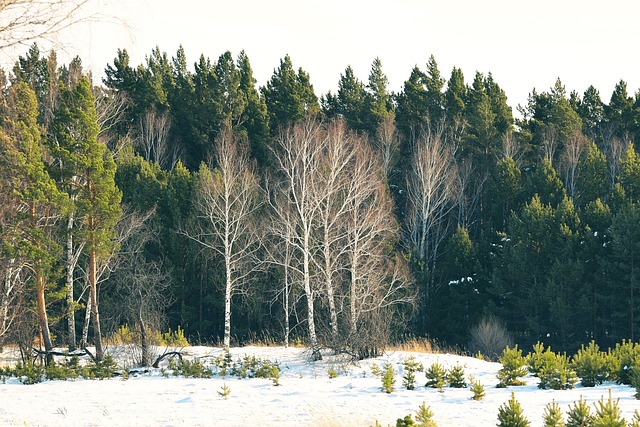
(430, 196)
(387, 142)
(298, 159)
(375, 279)
(573, 151)
(227, 201)
(329, 190)
(153, 139)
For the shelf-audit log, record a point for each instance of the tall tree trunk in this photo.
(42, 315)
(95, 314)
(315, 349)
(144, 341)
(85, 327)
(71, 322)
(328, 271)
(227, 304)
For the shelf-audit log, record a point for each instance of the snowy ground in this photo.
(306, 396)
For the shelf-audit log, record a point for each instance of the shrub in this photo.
(513, 367)
(489, 338)
(510, 414)
(608, 414)
(436, 376)
(29, 374)
(552, 416)
(411, 366)
(424, 416)
(388, 378)
(590, 364)
(100, 369)
(375, 370)
(175, 338)
(332, 373)
(405, 422)
(635, 422)
(538, 358)
(455, 377)
(191, 369)
(579, 414)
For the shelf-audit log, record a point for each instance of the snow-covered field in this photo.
(306, 396)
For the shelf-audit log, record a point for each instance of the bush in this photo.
(510, 414)
(436, 376)
(635, 422)
(411, 366)
(388, 378)
(332, 373)
(579, 414)
(513, 367)
(406, 422)
(29, 374)
(375, 370)
(190, 369)
(590, 364)
(175, 338)
(608, 414)
(100, 369)
(552, 416)
(455, 377)
(489, 338)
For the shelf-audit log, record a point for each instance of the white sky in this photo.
(525, 44)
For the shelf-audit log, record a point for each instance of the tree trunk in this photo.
(315, 349)
(144, 342)
(95, 314)
(71, 322)
(85, 327)
(329, 283)
(42, 315)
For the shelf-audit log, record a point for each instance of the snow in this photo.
(306, 396)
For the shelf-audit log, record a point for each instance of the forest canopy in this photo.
(178, 194)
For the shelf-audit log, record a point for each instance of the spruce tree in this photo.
(608, 413)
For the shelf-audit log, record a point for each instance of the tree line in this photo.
(172, 195)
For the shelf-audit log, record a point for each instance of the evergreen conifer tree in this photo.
(510, 414)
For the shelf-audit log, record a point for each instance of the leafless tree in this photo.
(616, 150)
(571, 156)
(430, 195)
(387, 142)
(298, 157)
(25, 21)
(153, 139)
(468, 189)
(376, 278)
(227, 201)
(550, 143)
(329, 192)
(510, 147)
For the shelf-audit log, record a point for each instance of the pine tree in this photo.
(436, 376)
(388, 378)
(608, 414)
(510, 414)
(424, 416)
(513, 367)
(455, 377)
(552, 416)
(579, 414)
(97, 205)
(36, 201)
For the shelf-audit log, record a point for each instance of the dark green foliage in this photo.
(190, 369)
(455, 377)
(513, 367)
(30, 373)
(510, 414)
(406, 421)
(436, 376)
(552, 416)
(101, 369)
